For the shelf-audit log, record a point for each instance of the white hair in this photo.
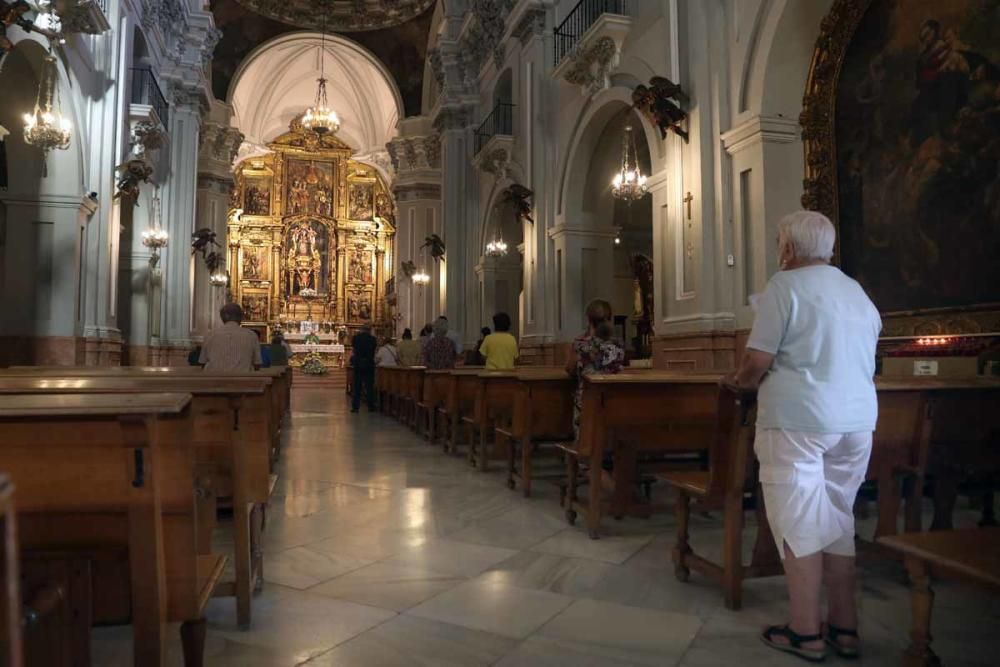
(811, 234)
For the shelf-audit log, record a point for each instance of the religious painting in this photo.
(257, 195)
(360, 265)
(307, 258)
(360, 201)
(309, 188)
(256, 264)
(917, 153)
(384, 208)
(255, 307)
(359, 306)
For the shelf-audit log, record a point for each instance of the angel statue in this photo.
(518, 196)
(201, 240)
(436, 244)
(130, 175)
(409, 268)
(656, 102)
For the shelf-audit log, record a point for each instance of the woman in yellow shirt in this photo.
(500, 348)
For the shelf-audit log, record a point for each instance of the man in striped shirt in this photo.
(230, 348)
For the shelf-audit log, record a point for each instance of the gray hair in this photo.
(440, 327)
(811, 234)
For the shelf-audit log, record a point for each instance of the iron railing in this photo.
(500, 121)
(579, 21)
(103, 4)
(145, 90)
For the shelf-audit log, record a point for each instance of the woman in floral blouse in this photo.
(439, 351)
(595, 352)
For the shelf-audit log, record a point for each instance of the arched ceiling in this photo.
(277, 82)
(340, 15)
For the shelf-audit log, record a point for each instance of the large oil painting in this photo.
(309, 188)
(918, 148)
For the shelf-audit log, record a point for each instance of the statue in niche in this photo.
(642, 272)
(304, 255)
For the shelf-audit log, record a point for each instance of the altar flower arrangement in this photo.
(312, 339)
(313, 364)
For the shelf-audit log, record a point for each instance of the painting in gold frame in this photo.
(309, 187)
(889, 118)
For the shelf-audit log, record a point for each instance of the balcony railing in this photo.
(145, 90)
(500, 121)
(579, 21)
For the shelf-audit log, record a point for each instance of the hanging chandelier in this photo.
(320, 118)
(421, 278)
(629, 184)
(46, 128)
(496, 247)
(219, 279)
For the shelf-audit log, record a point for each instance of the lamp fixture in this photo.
(47, 128)
(421, 278)
(629, 184)
(320, 118)
(219, 279)
(497, 247)
(155, 238)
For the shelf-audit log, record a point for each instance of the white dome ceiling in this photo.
(278, 81)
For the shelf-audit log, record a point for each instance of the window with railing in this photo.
(500, 121)
(145, 90)
(580, 20)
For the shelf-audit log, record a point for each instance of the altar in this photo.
(310, 238)
(330, 354)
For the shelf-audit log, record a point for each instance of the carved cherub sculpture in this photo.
(436, 244)
(130, 174)
(409, 268)
(518, 196)
(656, 102)
(12, 13)
(202, 240)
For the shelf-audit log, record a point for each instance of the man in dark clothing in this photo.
(363, 347)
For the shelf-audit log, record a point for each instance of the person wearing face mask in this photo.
(812, 354)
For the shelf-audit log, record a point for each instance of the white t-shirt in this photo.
(823, 330)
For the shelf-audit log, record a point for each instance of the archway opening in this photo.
(501, 276)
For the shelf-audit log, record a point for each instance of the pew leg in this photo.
(945, 496)
(242, 554)
(683, 547)
(594, 502)
(257, 551)
(432, 425)
(888, 504)
(193, 642)
(570, 498)
(732, 565)
(527, 464)
(919, 652)
(482, 455)
(207, 509)
(511, 458)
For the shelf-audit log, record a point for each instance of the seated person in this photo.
(500, 348)
(278, 351)
(439, 351)
(409, 350)
(595, 352)
(386, 355)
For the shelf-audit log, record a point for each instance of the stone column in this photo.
(219, 143)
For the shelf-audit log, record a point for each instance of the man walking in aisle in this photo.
(363, 347)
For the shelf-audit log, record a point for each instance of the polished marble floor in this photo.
(380, 551)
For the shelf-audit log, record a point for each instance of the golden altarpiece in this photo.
(310, 240)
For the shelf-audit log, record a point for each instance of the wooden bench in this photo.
(232, 461)
(967, 555)
(11, 654)
(412, 391)
(116, 473)
(631, 415)
(433, 400)
(493, 404)
(460, 403)
(542, 414)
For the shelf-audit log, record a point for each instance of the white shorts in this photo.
(810, 481)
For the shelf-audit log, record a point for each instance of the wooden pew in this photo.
(461, 399)
(967, 555)
(908, 410)
(234, 465)
(115, 474)
(631, 414)
(542, 413)
(278, 396)
(11, 654)
(434, 397)
(494, 404)
(411, 387)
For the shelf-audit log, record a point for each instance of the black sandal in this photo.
(831, 635)
(795, 642)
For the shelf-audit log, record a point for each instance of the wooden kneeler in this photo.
(723, 486)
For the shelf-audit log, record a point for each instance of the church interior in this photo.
(740, 265)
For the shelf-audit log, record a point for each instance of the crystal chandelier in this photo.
(320, 118)
(421, 278)
(496, 247)
(46, 127)
(629, 184)
(219, 279)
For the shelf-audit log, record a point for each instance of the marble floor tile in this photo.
(295, 623)
(451, 557)
(537, 651)
(302, 567)
(549, 572)
(517, 528)
(610, 548)
(657, 589)
(503, 610)
(645, 636)
(388, 586)
(410, 641)
(371, 543)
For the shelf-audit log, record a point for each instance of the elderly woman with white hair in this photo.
(812, 354)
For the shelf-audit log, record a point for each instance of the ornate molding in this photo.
(590, 68)
(417, 192)
(409, 153)
(340, 15)
(531, 24)
(453, 118)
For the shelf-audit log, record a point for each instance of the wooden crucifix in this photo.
(687, 200)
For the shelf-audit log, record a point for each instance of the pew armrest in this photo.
(210, 568)
(693, 482)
